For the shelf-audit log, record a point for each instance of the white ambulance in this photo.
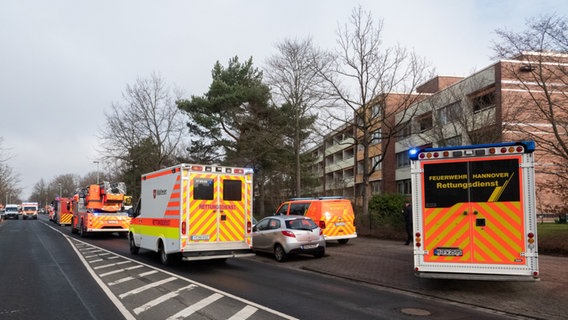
(474, 212)
(194, 212)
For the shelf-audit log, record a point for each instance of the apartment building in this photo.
(494, 104)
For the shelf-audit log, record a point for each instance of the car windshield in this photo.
(11, 209)
(301, 224)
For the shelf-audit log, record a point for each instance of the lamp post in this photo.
(60, 195)
(97, 162)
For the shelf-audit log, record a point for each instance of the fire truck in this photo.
(194, 212)
(99, 208)
(474, 212)
(62, 212)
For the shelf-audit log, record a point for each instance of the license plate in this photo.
(309, 246)
(339, 224)
(200, 237)
(449, 252)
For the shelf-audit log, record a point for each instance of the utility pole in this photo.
(97, 162)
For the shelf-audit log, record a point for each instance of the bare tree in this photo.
(293, 79)
(375, 83)
(538, 66)
(9, 180)
(145, 131)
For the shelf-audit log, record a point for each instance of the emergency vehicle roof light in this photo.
(218, 169)
(474, 150)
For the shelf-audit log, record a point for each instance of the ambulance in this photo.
(29, 210)
(474, 212)
(194, 212)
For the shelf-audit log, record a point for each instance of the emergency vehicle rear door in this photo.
(478, 216)
(218, 210)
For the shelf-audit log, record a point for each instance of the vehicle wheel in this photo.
(280, 254)
(73, 229)
(343, 241)
(133, 248)
(82, 230)
(167, 259)
(320, 254)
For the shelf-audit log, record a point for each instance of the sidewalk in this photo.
(390, 264)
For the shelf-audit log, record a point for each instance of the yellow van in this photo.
(333, 214)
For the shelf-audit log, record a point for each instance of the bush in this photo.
(385, 210)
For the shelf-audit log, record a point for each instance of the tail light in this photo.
(288, 233)
(322, 224)
(418, 239)
(321, 231)
(183, 228)
(249, 226)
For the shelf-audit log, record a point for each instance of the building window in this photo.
(404, 186)
(376, 137)
(425, 121)
(376, 187)
(376, 163)
(405, 130)
(449, 113)
(453, 141)
(402, 159)
(483, 101)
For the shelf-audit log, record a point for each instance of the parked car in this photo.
(333, 214)
(288, 235)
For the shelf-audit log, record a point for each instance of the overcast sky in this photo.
(63, 62)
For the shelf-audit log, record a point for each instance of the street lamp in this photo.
(97, 162)
(60, 195)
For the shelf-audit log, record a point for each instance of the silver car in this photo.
(288, 235)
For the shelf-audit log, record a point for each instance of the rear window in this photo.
(232, 190)
(299, 208)
(301, 224)
(203, 189)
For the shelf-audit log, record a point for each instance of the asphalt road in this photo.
(40, 278)
(259, 285)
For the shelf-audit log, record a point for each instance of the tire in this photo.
(319, 254)
(279, 253)
(73, 229)
(343, 241)
(82, 230)
(167, 259)
(133, 248)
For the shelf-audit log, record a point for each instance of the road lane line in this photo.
(118, 304)
(120, 270)
(146, 287)
(161, 299)
(110, 265)
(76, 244)
(143, 274)
(244, 314)
(196, 307)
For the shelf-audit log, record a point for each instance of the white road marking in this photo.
(244, 314)
(196, 307)
(146, 287)
(161, 299)
(120, 270)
